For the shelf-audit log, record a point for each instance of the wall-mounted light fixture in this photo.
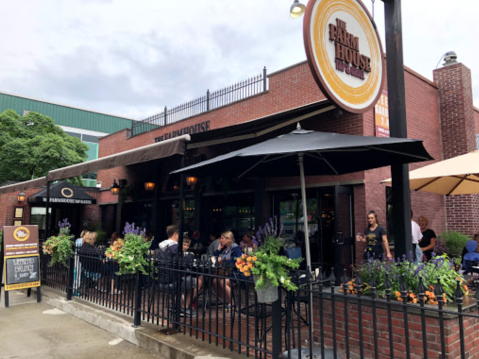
(115, 188)
(21, 197)
(191, 181)
(297, 9)
(149, 186)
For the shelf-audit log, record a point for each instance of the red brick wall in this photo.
(295, 87)
(8, 203)
(476, 119)
(458, 128)
(451, 332)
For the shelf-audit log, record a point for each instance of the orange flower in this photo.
(247, 274)
(242, 269)
(250, 265)
(254, 259)
(243, 256)
(399, 299)
(398, 294)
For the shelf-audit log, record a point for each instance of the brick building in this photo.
(439, 112)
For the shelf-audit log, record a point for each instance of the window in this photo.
(18, 212)
(38, 216)
(73, 134)
(89, 138)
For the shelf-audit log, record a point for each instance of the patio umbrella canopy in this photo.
(325, 153)
(317, 153)
(454, 176)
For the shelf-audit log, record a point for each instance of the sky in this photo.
(133, 58)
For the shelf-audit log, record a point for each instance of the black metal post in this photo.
(7, 299)
(137, 314)
(207, 100)
(276, 317)
(165, 113)
(47, 217)
(70, 278)
(401, 196)
(181, 226)
(264, 79)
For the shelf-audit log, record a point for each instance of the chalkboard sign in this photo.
(22, 257)
(22, 270)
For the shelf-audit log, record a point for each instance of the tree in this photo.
(33, 145)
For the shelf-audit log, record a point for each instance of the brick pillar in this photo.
(458, 137)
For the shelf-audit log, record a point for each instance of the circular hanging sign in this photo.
(344, 53)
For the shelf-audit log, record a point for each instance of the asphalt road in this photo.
(32, 330)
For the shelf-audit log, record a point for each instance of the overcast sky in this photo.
(132, 58)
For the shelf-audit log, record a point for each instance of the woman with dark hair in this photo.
(428, 241)
(376, 239)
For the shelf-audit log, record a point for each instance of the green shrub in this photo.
(455, 242)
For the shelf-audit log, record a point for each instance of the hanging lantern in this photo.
(191, 181)
(115, 189)
(21, 197)
(149, 186)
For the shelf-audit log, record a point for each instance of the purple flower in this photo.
(433, 254)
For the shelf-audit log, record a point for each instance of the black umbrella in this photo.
(317, 153)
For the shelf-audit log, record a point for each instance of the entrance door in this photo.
(330, 220)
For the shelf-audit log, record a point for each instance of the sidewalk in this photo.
(36, 330)
(147, 336)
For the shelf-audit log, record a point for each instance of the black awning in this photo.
(63, 192)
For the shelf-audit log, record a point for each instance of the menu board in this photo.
(22, 257)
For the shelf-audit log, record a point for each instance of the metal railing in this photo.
(217, 304)
(211, 101)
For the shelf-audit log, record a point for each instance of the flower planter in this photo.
(268, 293)
(415, 329)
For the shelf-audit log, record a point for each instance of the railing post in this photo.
(276, 315)
(264, 79)
(166, 110)
(137, 315)
(70, 278)
(207, 100)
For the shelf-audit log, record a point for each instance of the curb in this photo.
(176, 346)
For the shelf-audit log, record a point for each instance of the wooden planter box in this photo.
(415, 329)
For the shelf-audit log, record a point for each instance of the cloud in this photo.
(117, 57)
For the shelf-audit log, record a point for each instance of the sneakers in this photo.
(185, 312)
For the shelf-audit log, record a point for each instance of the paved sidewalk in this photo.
(32, 330)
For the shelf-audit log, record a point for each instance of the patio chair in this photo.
(472, 275)
(245, 303)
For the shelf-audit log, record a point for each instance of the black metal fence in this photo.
(217, 304)
(211, 101)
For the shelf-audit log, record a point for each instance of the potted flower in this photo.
(439, 267)
(60, 246)
(130, 252)
(268, 267)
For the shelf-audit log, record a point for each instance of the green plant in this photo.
(440, 267)
(60, 247)
(131, 252)
(455, 242)
(266, 262)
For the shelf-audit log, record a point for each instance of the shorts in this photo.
(188, 284)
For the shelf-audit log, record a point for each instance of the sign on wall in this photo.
(344, 53)
(22, 257)
(381, 117)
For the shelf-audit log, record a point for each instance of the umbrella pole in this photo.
(306, 242)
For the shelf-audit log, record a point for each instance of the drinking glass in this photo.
(359, 236)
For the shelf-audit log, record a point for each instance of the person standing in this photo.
(376, 239)
(416, 238)
(428, 241)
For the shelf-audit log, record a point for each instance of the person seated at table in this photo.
(213, 245)
(471, 256)
(464, 251)
(248, 244)
(167, 250)
(227, 252)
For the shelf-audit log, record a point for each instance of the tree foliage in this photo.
(33, 145)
